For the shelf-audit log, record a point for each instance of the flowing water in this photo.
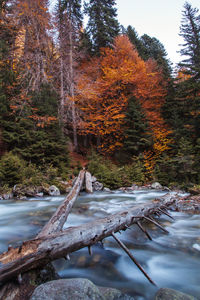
(171, 260)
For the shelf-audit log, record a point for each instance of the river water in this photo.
(171, 260)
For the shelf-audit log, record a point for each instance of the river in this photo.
(172, 260)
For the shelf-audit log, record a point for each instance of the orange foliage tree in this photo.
(104, 87)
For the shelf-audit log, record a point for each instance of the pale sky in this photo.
(157, 18)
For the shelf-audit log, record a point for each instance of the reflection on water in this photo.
(172, 260)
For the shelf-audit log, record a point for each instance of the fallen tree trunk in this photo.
(57, 221)
(38, 252)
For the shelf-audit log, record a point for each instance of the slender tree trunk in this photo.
(71, 70)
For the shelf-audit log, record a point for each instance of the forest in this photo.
(96, 91)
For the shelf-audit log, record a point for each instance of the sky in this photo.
(157, 18)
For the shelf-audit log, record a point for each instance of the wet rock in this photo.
(7, 196)
(54, 191)
(75, 289)
(41, 194)
(94, 179)
(156, 185)
(113, 294)
(166, 294)
(106, 189)
(98, 186)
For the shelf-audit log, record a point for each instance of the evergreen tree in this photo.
(7, 76)
(137, 136)
(136, 41)
(190, 31)
(153, 48)
(188, 87)
(102, 24)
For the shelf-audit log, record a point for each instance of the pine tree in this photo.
(136, 41)
(190, 31)
(137, 136)
(102, 25)
(188, 87)
(153, 48)
(7, 76)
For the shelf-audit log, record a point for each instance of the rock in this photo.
(106, 189)
(113, 294)
(97, 186)
(93, 179)
(7, 196)
(156, 185)
(75, 289)
(166, 294)
(41, 194)
(54, 191)
(88, 183)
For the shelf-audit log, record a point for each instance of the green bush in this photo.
(113, 176)
(11, 169)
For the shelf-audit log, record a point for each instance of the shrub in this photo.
(11, 169)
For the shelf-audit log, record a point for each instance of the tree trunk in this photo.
(71, 70)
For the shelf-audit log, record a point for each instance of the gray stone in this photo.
(97, 186)
(54, 191)
(76, 289)
(41, 194)
(106, 189)
(156, 185)
(170, 294)
(113, 294)
(7, 196)
(94, 179)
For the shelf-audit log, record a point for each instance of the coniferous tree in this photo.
(137, 136)
(153, 48)
(7, 75)
(136, 41)
(102, 24)
(188, 87)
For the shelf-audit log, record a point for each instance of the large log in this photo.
(38, 252)
(57, 221)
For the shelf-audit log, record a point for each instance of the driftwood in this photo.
(52, 243)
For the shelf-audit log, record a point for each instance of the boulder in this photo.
(166, 294)
(156, 185)
(97, 186)
(75, 289)
(53, 191)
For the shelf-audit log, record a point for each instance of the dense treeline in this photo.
(102, 91)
